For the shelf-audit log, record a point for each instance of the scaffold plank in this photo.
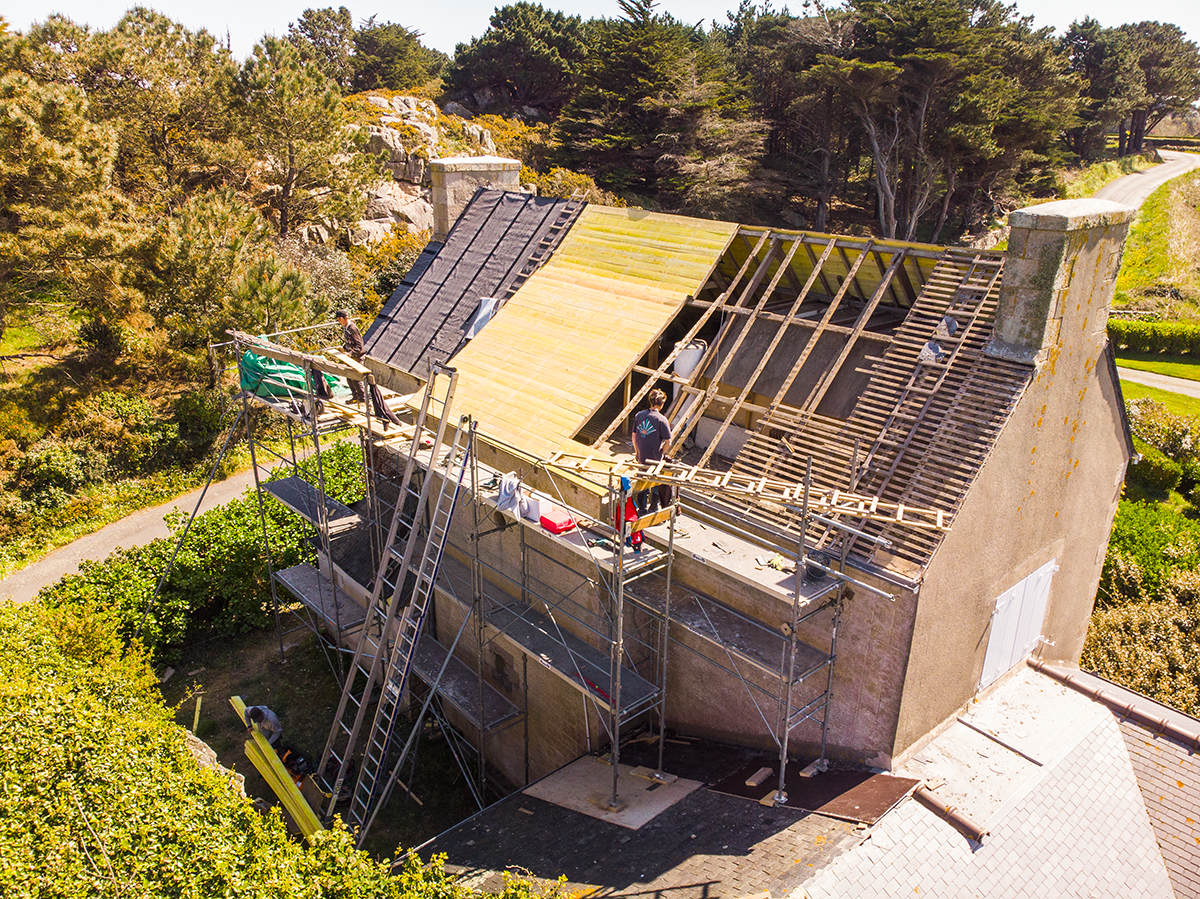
(574, 660)
(304, 499)
(308, 585)
(460, 686)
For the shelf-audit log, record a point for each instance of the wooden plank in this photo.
(263, 756)
(350, 362)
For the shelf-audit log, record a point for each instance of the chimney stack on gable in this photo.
(1063, 259)
(456, 179)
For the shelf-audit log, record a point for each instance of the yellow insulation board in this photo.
(566, 340)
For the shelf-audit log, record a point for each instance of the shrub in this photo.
(1157, 539)
(1123, 581)
(101, 789)
(101, 339)
(219, 581)
(1191, 476)
(51, 471)
(197, 420)
(564, 183)
(1173, 338)
(517, 139)
(15, 425)
(382, 267)
(122, 426)
(1148, 647)
(1155, 470)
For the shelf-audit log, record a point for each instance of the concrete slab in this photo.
(585, 786)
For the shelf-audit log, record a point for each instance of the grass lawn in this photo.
(1173, 366)
(1176, 403)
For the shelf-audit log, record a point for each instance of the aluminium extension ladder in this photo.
(383, 606)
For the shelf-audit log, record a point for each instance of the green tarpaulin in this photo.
(269, 377)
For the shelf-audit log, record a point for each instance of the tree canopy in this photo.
(529, 55)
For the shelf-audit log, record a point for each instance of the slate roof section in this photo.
(1078, 828)
(707, 846)
(422, 320)
(1164, 748)
(1169, 775)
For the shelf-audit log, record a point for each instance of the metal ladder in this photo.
(541, 252)
(412, 620)
(383, 604)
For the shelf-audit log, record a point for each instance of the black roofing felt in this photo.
(422, 321)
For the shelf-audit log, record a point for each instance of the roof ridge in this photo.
(1139, 709)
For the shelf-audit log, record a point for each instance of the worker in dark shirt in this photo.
(651, 437)
(352, 346)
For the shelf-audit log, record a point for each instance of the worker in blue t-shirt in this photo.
(651, 437)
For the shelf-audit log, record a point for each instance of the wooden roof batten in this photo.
(945, 438)
(946, 435)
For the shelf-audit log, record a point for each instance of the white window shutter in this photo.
(1017, 623)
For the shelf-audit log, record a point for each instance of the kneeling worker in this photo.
(267, 721)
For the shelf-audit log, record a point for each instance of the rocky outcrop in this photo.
(409, 135)
(480, 137)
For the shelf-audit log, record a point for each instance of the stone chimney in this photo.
(456, 179)
(1062, 265)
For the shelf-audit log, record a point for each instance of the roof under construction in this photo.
(867, 356)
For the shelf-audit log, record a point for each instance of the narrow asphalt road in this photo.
(1132, 190)
(133, 530)
(1162, 382)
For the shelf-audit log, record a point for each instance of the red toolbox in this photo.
(557, 520)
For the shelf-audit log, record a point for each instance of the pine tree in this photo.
(310, 164)
(529, 56)
(610, 130)
(61, 221)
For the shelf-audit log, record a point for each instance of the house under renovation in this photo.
(895, 467)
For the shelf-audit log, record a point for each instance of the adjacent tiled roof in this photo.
(422, 321)
(1164, 748)
(1169, 774)
(1080, 830)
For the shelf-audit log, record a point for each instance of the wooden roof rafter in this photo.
(780, 331)
(660, 373)
(697, 409)
(969, 397)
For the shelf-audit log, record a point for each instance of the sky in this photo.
(445, 23)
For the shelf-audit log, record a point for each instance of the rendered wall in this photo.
(1050, 487)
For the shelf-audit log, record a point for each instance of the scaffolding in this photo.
(571, 601)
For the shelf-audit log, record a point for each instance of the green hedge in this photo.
(1172, 338)
(101, 796)
(1149, 542)
(1155, 470)
(219, 582)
